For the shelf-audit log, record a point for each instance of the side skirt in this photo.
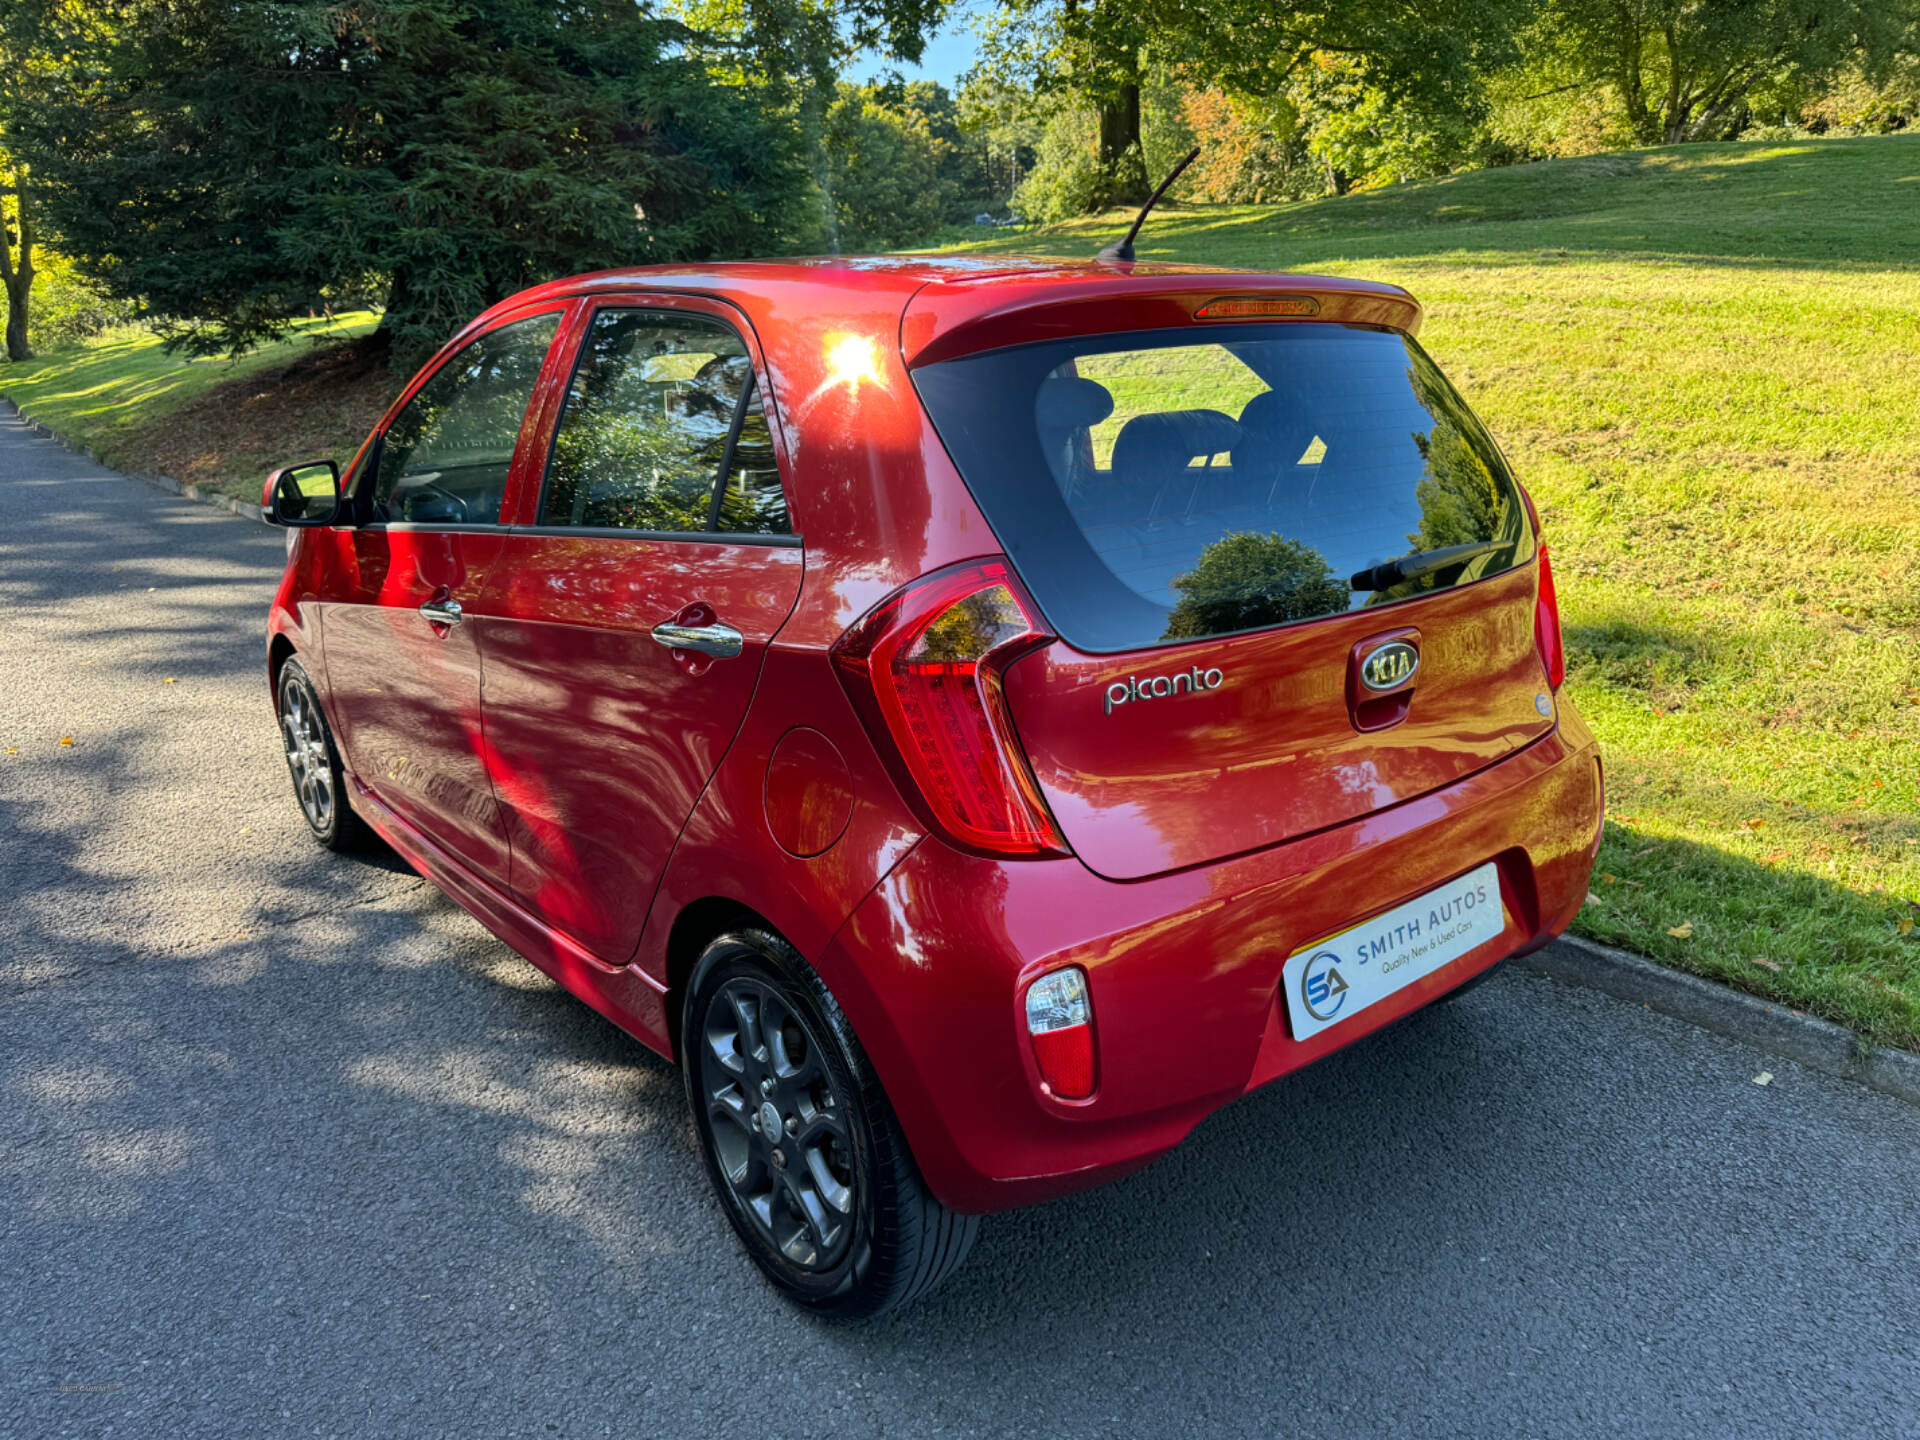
(628, 997)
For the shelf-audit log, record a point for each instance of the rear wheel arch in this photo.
(698, 925)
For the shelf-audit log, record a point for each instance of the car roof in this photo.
(958, 286)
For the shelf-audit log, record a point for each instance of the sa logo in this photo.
(1322, 990)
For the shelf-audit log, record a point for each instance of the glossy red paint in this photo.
(606, 805)
(809, 793)
(404, 694)
(1138, 792)
(599, 741)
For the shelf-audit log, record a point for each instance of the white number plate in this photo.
(1345, 973)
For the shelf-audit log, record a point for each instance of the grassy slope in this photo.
(1705, 363)
(117, 395)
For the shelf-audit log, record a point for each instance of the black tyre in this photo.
(800, 1143)
(313, 761)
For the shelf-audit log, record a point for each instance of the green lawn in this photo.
(1704, 362)
(109, 394)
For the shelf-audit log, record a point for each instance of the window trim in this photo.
(591, 308)
(366, 465)
(678, 537)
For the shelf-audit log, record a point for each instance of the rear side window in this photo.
(663, 430)
(1160, 487)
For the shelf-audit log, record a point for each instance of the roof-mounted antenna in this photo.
(1123, 249)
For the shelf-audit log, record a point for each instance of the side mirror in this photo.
(302, 496)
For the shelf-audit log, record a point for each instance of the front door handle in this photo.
(442, 612)
(722, 642)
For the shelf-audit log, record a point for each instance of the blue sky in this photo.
(948, 53)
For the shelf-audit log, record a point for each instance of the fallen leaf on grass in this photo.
(1773, 856)
(1682, 931)
(1592, 899)
(1904, 925)
(1766, 964)
(1648, 851)
(1753, 824)
(1765, 1077)
(1607, 879)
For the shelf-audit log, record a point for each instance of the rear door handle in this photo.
(442, 612)
(722, 642)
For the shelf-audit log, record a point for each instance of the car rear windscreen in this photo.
(1158, 487)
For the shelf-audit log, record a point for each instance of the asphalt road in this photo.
(290, 1146)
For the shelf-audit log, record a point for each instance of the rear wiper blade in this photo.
(1390, 573)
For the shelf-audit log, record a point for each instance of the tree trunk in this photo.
(1121, 156)
(17, 274)
(1678, 106)
(1628, 75)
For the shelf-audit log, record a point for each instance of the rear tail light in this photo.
(926, 664)
(1060, 1020)
(1546, 626)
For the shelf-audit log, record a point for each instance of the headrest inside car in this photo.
(1066, 402)
(1171, 440)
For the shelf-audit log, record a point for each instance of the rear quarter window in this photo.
(1166, 486)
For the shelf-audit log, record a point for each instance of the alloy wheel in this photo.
(304, 738)
(780, 1131)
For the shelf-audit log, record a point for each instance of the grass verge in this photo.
(217, 422)
(1703, 361)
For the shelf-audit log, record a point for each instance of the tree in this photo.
(792, 52)
(884, 171)
(898, 163)
(1252, 154)
(1101, 52)
(1092, 49)
(1684, 69)
(25, 67)
(999, 119)
(17, 240)
(1360, 133)
(230, 161)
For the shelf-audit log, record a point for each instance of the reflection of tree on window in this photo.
(752, 502)
(645, 425)
(1462, 501)
(1245, 581)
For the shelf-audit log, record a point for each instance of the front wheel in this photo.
(803, 1150)
(313, 762)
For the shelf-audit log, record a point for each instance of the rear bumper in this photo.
(1184, 969)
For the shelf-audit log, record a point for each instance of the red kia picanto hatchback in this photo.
(977, 716)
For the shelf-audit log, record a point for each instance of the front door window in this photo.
(445, 457)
